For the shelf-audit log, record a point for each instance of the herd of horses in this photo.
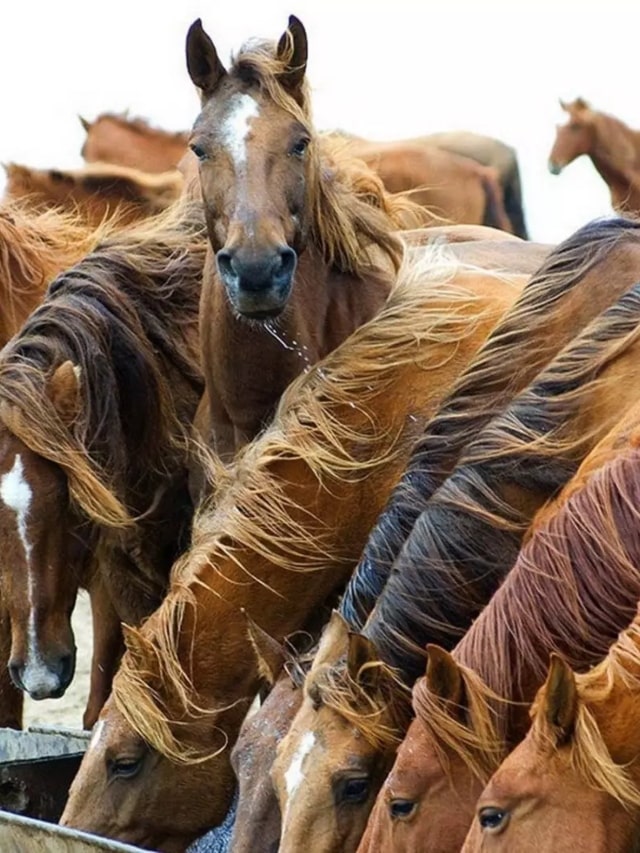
(352, 490)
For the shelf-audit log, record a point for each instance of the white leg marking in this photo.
(16, 494)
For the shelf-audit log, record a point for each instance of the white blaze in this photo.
(295, 774)
(16, 494)
(236, 128)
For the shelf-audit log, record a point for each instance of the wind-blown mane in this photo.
(34, 248)
(126, 317)
(573, 585)
(517, 349)
(324, 421)
(350, 211)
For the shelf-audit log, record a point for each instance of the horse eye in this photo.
(493, 819)
(354, 790)
(300, 147)
(199, 151)
(402, 809)
(125, 768)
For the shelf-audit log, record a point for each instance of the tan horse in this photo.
(132, 142)
(97, 192)
(614, 149)
(285, 531)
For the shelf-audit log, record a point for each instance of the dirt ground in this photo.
(66, 712)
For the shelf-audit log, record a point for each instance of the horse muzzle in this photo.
(554, 168)
(258, 285)
(43, 678)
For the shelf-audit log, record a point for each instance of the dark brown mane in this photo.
(142, 126)
(574, 584)
(126, 317)
(510, 358)
(470, 532)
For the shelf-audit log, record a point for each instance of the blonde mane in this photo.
(323, 422)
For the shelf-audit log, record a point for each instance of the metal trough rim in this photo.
(41, 836)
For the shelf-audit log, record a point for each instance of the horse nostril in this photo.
(288, 259)
(15, 672)
(224, 260)
(66, 667)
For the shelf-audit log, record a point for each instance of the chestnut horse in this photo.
(356, 706)
(97, 394)
(450, 187)
(96, 192)
(574, 585)
(574, 781)
(290, 518)
(614, 149)
(132, 142)
(303, 249)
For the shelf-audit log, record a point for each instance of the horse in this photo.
(356, 704)
(34, 248)
(489, 152)
(574, 780)
(96, 192)
(451, 188)
(303, 248)
(290, 516)
(574, 585)
(132, 142)
(614, 149)
(97, 394)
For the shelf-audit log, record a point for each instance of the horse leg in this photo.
(108, 646)
(11, 699)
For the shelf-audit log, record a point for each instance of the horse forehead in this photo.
(235, 124)
(16, 491)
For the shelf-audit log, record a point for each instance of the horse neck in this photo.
(609, 135)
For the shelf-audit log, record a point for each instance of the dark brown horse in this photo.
(97, 394)
(303, 249)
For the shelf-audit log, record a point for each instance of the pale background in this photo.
(380, 68)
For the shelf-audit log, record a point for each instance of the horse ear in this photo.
(443, 675)
(63, 389)
(564, 105)
(86, 124)
(334, 641)
(293, 49)
(361, 651)
(581, 104)
(204, 66)
(271, 656)
(560, 698)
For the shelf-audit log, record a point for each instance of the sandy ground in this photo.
(66, 712)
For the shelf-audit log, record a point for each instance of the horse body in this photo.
(452, 562)
(97, 192)
(614, 149)
(98, 392)
(134, 143)
(472, 706)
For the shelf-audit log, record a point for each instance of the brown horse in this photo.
(132, 142)
(97, 394)
(286, 530)
(303, 243)
(451, 188)
(489, 152)
(614, 149)
(572, 588)
(574, 782)
(97, 192)
(458, 551)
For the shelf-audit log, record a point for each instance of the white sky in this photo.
(386, 69)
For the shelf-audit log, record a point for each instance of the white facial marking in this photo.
(17, 494)
(236, 127)
(98, 731)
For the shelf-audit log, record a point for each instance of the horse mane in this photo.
(34, 247)
(323, 421)
(469, 534)
(579, 569)
(589, 754)
(142, 126)
(352, 217)
(502, 366)
(124, 316)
